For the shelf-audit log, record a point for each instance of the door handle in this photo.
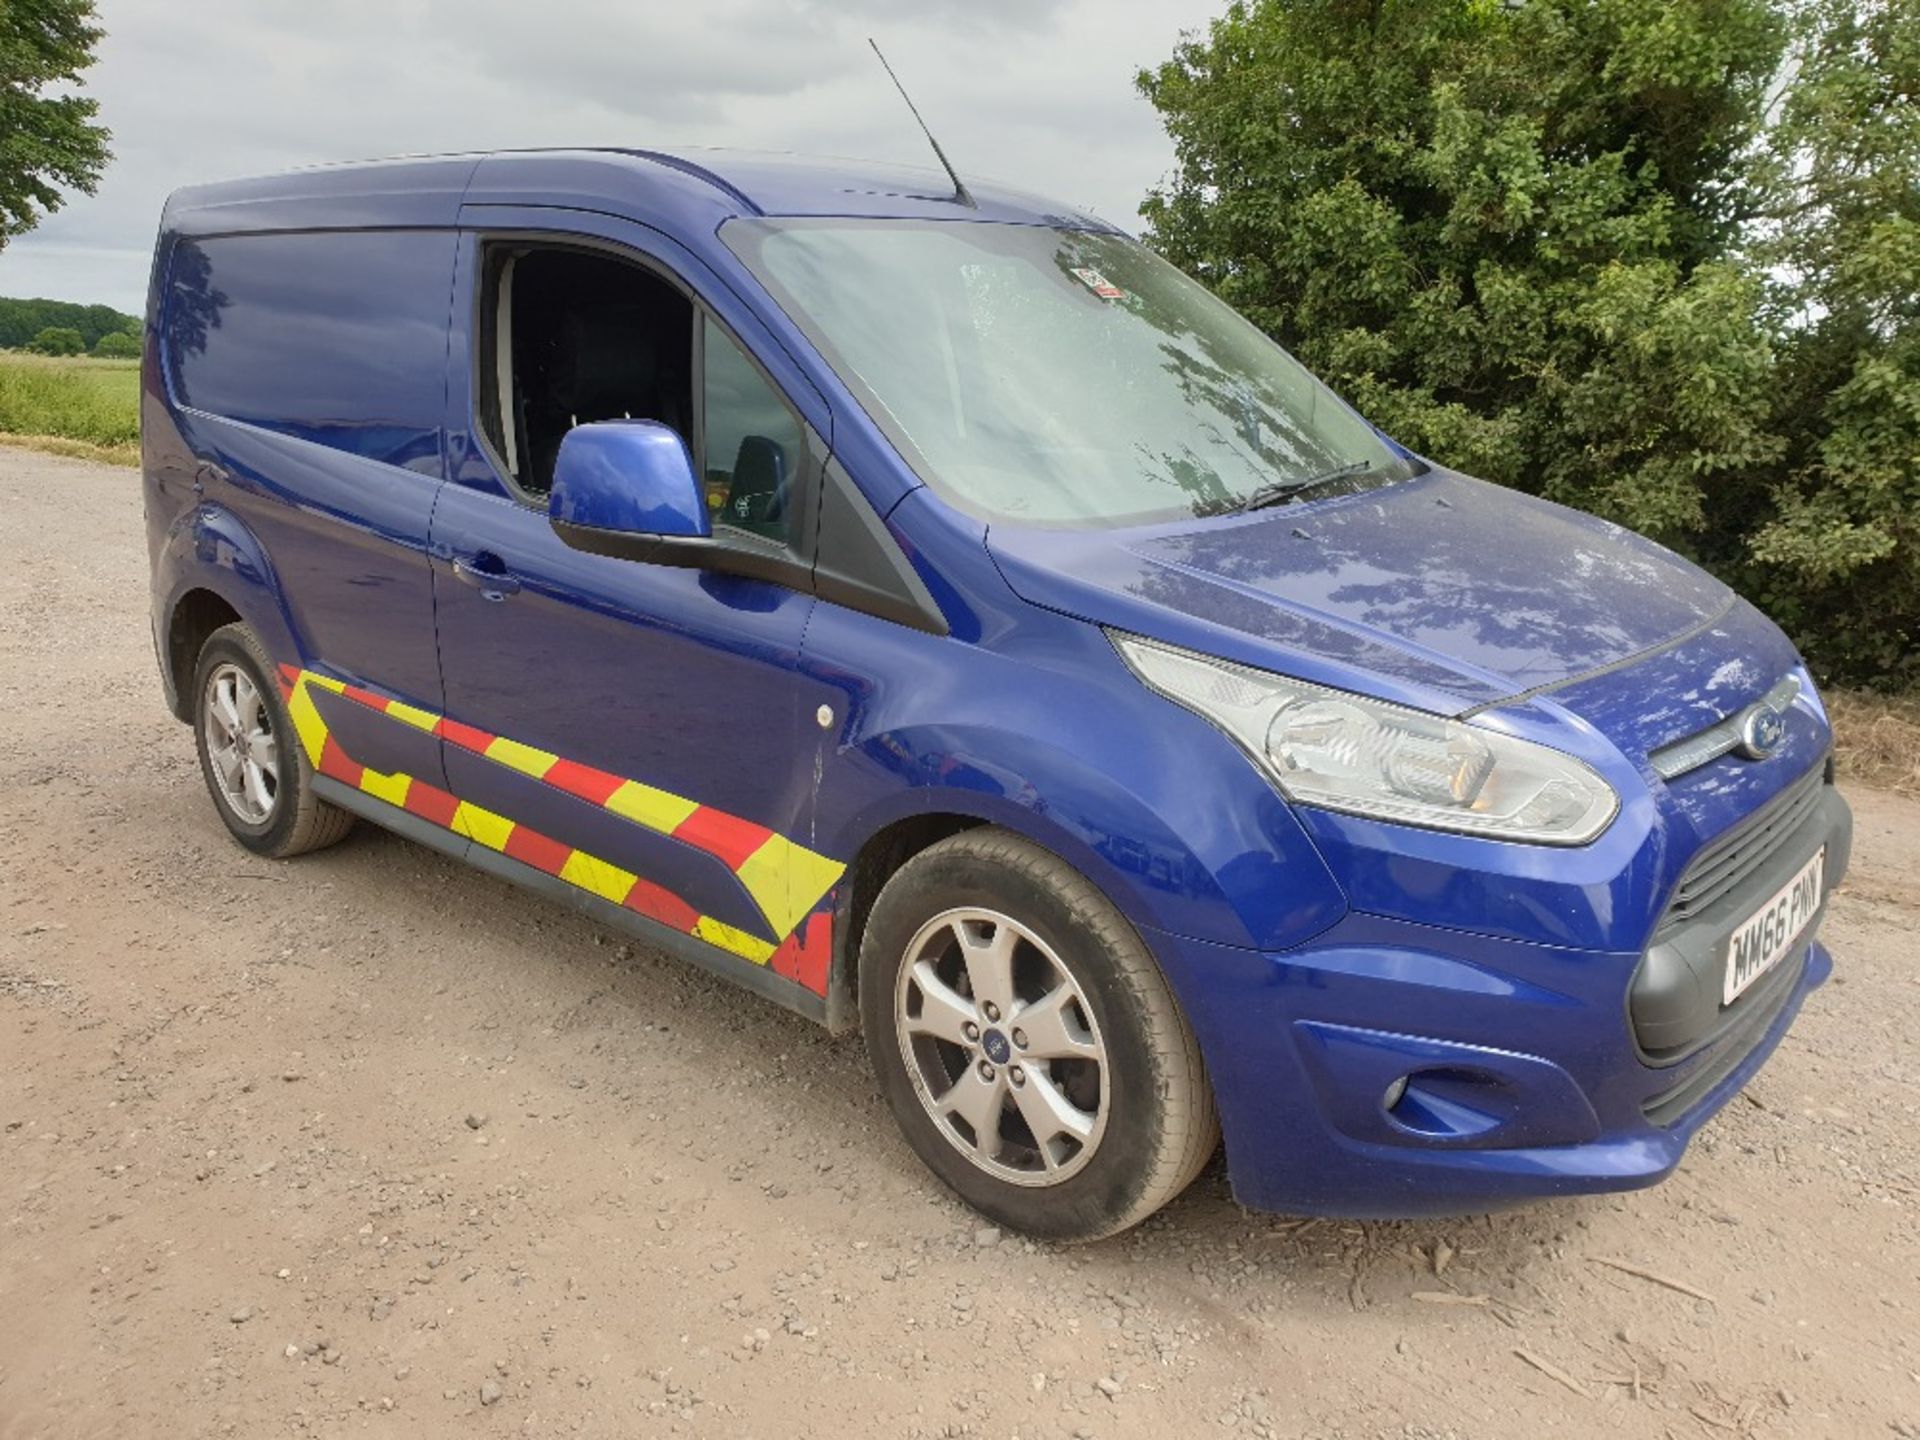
(487, 574)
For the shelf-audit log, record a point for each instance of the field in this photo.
(80, 406)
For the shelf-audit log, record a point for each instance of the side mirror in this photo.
(626, 488)
(619, 486)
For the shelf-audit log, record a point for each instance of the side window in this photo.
(331, 336)
(569, 337)
(754, 447)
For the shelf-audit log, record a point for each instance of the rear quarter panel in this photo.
(291, 435)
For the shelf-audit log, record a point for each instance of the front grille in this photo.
(1725, 862)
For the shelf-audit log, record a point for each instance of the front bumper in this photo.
(1528, 1079)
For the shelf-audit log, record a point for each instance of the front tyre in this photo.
(1028, 1043)
(255, 769)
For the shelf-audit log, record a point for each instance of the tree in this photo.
(1840, 554)
(47, 141)
(21, 320)
(1500, 232)
(53, 341)
(1559, 246)
(117, 345)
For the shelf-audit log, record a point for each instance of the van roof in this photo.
(699, 187)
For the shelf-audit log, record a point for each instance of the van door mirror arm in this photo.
(689, 552)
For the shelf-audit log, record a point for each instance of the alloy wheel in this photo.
(1003, 1049)
(242, 752)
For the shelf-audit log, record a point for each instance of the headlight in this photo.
(1366, 757)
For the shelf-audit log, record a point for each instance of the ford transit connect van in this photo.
(945, 619)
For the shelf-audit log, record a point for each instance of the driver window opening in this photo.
(569, 338)
(575, 338)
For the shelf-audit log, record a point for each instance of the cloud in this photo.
(634, 65)
(1035, 93)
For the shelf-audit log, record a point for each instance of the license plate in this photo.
(1760, 941)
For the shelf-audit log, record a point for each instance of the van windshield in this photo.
(1059, 377)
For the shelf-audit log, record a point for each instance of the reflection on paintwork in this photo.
(1440, 580)
(370, 313)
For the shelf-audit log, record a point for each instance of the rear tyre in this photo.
(250, 757)
(1027, 1042)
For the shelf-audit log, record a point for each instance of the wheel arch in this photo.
(1174, 829)
(883, 852)
(922, 818)
(196, 615)
(213, 571)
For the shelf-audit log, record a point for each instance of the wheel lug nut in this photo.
(986, 1070)
(993, 1011)
(970, 1030)
(1020, 1038)
(1017, 1075)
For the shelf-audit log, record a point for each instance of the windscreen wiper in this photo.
(1290, 489)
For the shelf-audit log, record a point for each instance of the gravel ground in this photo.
(372, 1143)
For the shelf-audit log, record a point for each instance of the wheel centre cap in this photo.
(994, 1044)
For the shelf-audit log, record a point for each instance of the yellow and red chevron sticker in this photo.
(789, 883)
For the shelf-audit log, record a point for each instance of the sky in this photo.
(1036, 93)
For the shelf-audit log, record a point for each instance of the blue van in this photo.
(942, 617)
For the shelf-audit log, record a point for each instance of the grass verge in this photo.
(74, 449)
(1877, 738)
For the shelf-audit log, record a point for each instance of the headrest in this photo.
(604, 364)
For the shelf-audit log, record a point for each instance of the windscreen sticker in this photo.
(1098, 283)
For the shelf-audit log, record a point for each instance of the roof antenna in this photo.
(960, 196)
